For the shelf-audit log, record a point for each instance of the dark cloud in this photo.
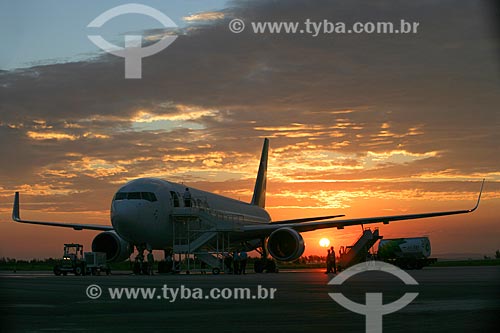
(433, 91)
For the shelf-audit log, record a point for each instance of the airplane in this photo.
(145, 212)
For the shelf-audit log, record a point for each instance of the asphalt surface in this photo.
(452, 299)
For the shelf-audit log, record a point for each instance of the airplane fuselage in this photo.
(143, 211)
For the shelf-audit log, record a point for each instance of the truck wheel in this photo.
(78, 270)
(57, 271)
(215, 271)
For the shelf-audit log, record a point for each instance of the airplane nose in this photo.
(125, 217)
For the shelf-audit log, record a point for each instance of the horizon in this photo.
(254, 255)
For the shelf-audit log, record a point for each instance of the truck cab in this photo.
(72, 261)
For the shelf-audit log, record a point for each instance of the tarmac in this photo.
(451, 299)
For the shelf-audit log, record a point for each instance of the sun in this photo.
(324, 242)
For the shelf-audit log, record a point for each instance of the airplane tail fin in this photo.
(15, 208)
(259, 192)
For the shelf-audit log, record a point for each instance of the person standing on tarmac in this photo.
(151, 261)
(243, 261)
(328, 263)
(236, 262)
(333, 263)
(228, 262)
(203, 268)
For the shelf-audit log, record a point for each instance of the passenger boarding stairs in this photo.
(358, 252)
(203, 232)
(210, 259)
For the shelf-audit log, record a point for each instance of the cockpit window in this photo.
(149, 196)
(133, 195)
(121, 196)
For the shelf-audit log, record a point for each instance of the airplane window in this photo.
(121, 196)
(149, 196)
(133, 195)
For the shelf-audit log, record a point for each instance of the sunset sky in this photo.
(362, 125)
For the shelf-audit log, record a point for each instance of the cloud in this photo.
(337, 107)
(50, 136)
(205, 16)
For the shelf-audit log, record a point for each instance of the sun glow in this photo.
(324, 242)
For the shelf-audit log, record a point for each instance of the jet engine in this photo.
(114, 246)
(285, 244)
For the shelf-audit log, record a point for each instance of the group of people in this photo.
(144, 265)
(331, 261)
(237, 262)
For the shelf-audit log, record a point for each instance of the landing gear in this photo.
(267, 265)
(264, 264)
(258, 266)
(141, 268)
(166, 265)
(271, 266)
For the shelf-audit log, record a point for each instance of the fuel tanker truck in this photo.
(406, 253)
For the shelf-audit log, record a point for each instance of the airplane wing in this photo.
(340, 224)
(307, 219)
(16, 217)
